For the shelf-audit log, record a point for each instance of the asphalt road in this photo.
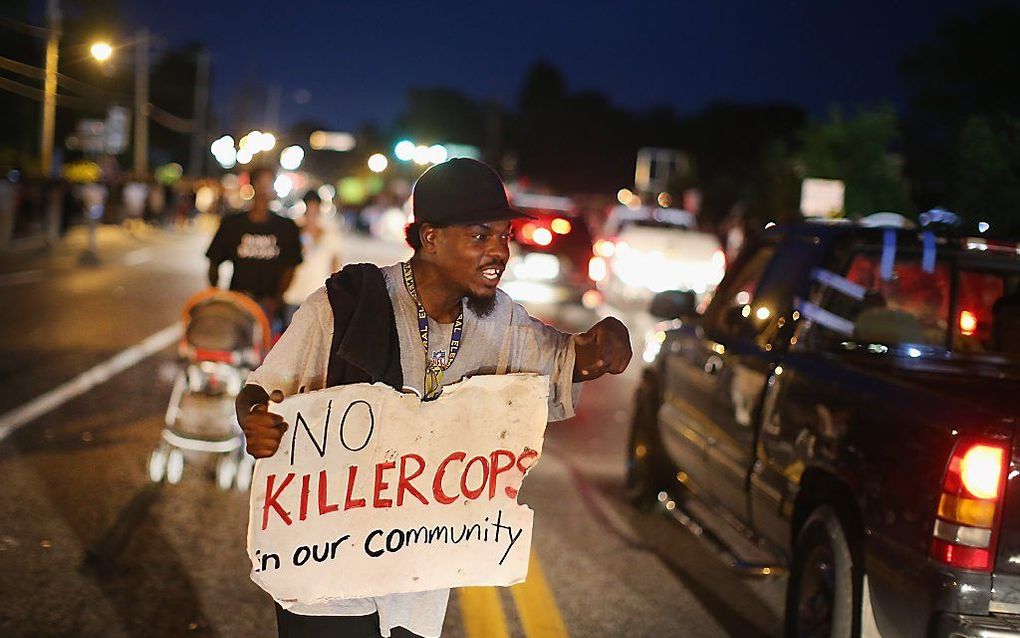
(90, 547)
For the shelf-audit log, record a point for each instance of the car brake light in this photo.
(604, 248)
(528, 231)
(968, 323)
(597, 269)
(965, 527)
(560, 226)
(542, 236)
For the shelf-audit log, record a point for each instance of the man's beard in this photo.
(481, 306)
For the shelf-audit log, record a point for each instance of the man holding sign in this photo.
(418, 327)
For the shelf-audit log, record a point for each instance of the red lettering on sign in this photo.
(437, 481)
(271, 499)
(404, 483)
(495, 469)
(324, 507)
(526, 459)
(305, 488)
(473, 494)
(381, 485)
(350, 503)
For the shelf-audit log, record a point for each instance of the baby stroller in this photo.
(226, 335)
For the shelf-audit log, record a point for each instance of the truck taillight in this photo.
(969, 506)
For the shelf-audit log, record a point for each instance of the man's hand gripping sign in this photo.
(373, 492)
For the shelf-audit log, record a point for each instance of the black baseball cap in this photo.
(459, 192)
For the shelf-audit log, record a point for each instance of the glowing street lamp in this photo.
(101, 51)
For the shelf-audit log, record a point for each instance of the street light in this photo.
(101, 51)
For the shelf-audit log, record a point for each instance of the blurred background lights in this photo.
(283, 185)
(291, 158)
(542, 236)
(378, 163)
(421, 155)
(404, 150)
(266, 142)
(438, 154)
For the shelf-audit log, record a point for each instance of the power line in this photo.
(25, 28)
(38, 95)
(159, 115)
(75, 85)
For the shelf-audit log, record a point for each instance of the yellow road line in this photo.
(536, 606)
(482, 612)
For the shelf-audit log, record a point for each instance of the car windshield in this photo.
(968, 304)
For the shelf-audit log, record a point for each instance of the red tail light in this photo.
(535, 234)
(969, 508)
(542, 236)
(560, 226)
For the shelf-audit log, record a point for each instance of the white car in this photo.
(651, 250)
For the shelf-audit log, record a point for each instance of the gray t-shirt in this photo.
(508, 340)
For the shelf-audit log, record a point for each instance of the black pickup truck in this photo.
(846, 404)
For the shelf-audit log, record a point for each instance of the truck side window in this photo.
(730, 309)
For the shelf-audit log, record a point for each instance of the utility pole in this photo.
(199, 114)
(49, 110)
(142, 103)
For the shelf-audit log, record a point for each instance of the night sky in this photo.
(357, 59)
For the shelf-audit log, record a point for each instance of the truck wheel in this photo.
(824, 592)
(642, 483)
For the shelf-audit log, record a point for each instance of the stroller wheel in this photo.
(174, 466)
(245, 468)
(157, 463)
(226, 470)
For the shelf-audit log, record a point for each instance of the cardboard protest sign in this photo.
(373, 492)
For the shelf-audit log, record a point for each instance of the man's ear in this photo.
(428, 234)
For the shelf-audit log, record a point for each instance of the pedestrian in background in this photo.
(263, 247)
(320, 253)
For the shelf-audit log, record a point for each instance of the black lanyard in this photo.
(434, 366)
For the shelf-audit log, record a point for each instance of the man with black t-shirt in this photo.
(263, 246)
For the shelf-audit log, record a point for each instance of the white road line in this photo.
(25, 277)
(87, 380)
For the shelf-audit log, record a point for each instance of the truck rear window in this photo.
(948, 304)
